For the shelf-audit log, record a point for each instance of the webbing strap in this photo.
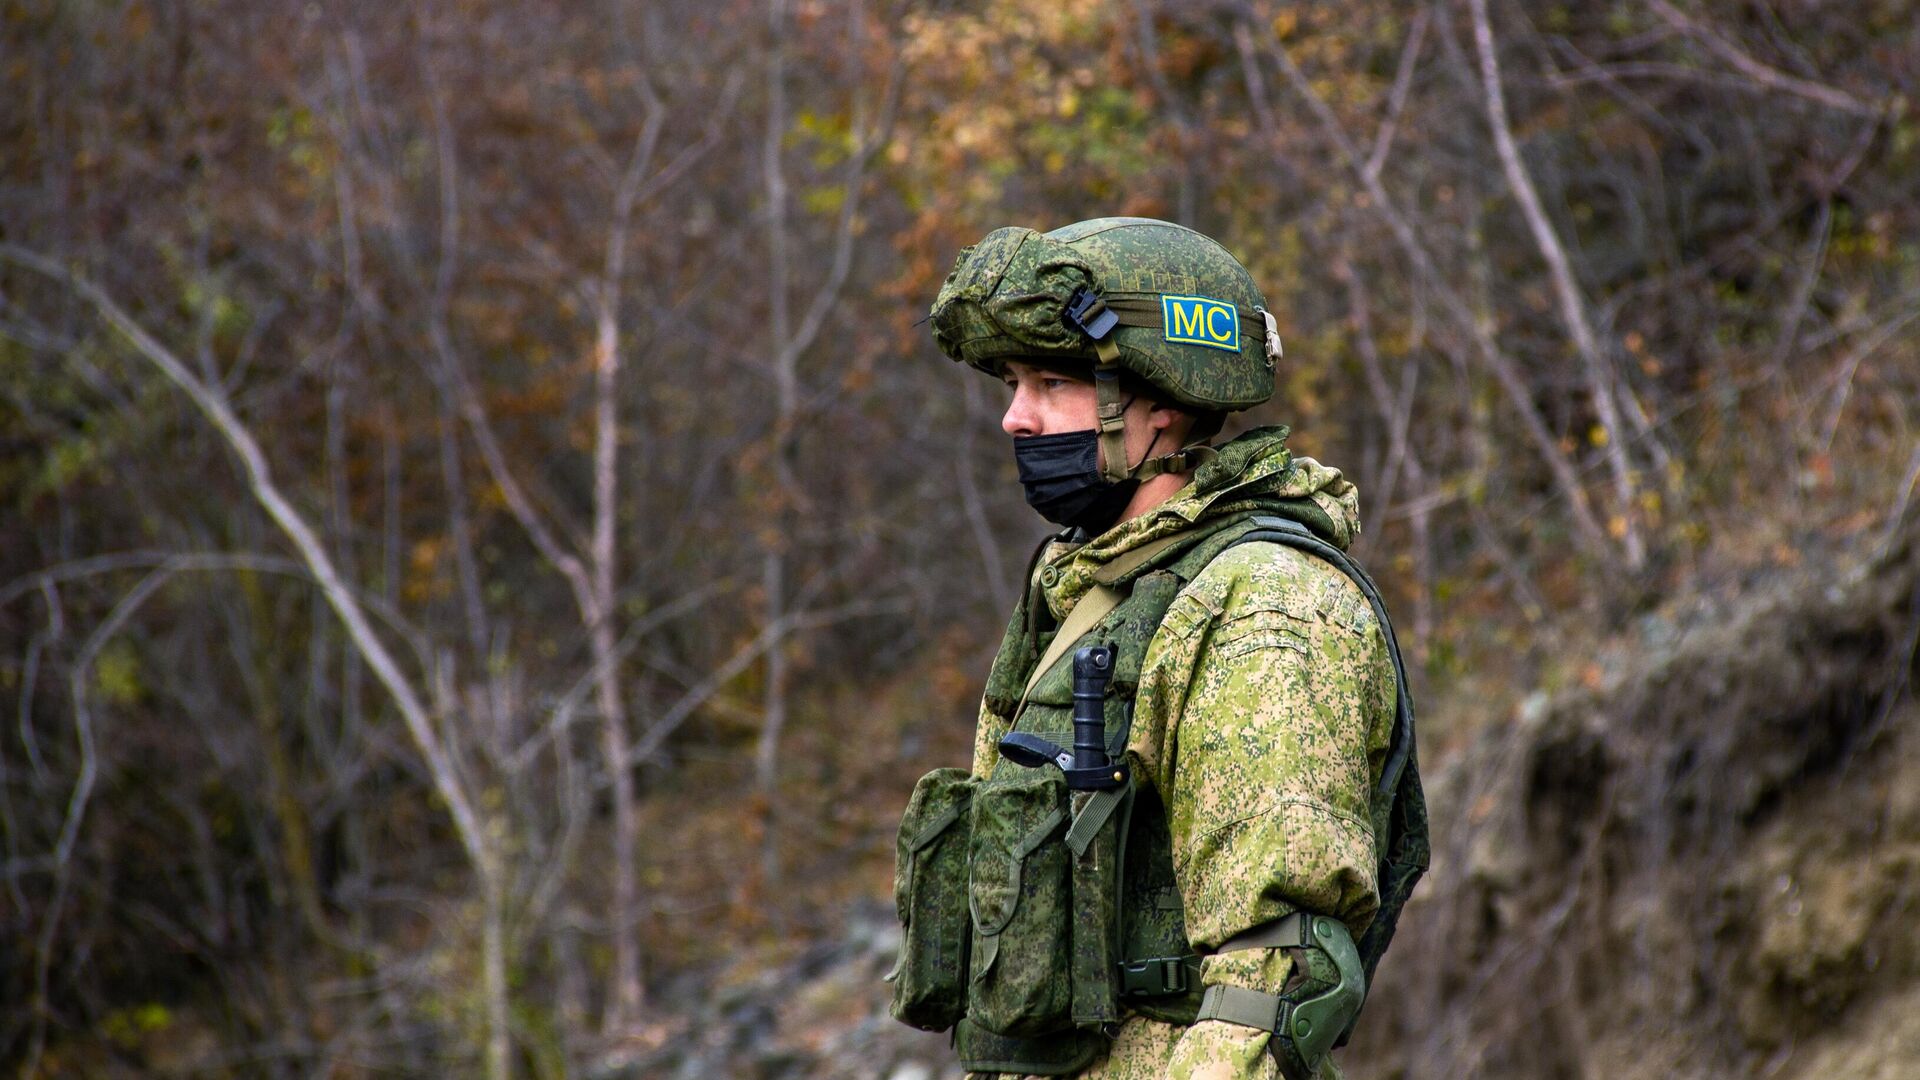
(1094, 814)
(1126, 562)
(1174, 974)
(1110, 411)
(1146, 310)
(1182, 460)
(1239, 1005)
(1039, 835)
(1289, 931)
(1091, 609)
(935, 827)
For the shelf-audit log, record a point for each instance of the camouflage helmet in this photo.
(1154, 298)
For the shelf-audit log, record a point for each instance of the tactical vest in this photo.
(1035, 919)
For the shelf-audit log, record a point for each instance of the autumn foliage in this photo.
(584, 342)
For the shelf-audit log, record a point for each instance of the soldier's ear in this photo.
(1169, 418)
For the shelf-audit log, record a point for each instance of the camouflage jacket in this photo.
(1263, 717)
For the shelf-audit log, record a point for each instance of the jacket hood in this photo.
(1253, 473)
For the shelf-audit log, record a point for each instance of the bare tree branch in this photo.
(999, 585)
(790, 343)
(1850, 363)
(141, 560)
(743, 658)
(1505, 371)
(467, 821)
(1397, 97)
(79, 686)
(1772, 78)
(597, 612)
(1147, 38)
(1602, 384)
(563, 711)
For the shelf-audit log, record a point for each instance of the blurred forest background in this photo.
(487, 546)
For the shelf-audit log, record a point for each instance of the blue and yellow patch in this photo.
(1201, 320)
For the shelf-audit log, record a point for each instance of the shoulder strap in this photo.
(1128, 562)
(1092, 607)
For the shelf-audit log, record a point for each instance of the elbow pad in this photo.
(1324, 994)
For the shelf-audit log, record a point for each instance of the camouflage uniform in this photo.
(1269, 754)
(1264, 713)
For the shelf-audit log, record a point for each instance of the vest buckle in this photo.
(1156, 976)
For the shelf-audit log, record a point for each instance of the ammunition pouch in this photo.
(930, 897)
(1021, 897)
(1013, 895)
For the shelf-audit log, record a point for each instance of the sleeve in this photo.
(1279, 695)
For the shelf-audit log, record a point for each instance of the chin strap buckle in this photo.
(1111, 413)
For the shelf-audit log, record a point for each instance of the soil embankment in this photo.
(1708, 867)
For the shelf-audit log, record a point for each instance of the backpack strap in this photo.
(1090, 609)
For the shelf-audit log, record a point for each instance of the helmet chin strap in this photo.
(1111, 412)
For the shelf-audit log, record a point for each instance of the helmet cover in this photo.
(1191, 323)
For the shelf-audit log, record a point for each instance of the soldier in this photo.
(1210, 900)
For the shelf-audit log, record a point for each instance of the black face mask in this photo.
(1061, 475)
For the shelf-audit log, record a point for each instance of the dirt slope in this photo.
(1710, 867)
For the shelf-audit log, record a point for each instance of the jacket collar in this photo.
(1255, 472)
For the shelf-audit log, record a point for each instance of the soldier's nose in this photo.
(1018, 421)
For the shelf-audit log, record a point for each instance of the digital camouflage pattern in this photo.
(1263, 716)
(930, 895)
(1021, 899)
(1005, 297)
